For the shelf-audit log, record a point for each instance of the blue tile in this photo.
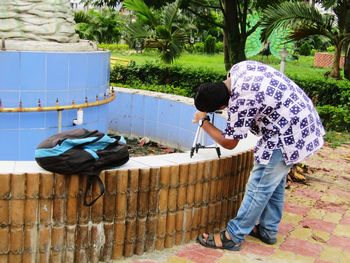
(91, 114)
(162, 131)
(123, 124)
(31, 98)
(78, 71)
(169, 112)
(10, 99)
(29, 141)
(78, 96)
(33, 71)
(151, 108)
(51, 120)
(120, 106)
(9, 145)
(9, 120)
(57, 71)
(186, 115)
(32, 120)
(95, 70)
(151, 129)
(173, 134)
(9, 70)
(137, 106)
(138, 126)
(52, 96)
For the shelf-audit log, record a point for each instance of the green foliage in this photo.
(101, 26)
(305, 49)
(163, 29)
(114, 47)
(336, 139)
(209, 44)
(331, 97)
(154, 74)
(199, 47)
(335, 118)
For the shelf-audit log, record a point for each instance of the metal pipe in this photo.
(59, 124)
(57, 107)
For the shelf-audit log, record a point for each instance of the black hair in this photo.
(211, 96)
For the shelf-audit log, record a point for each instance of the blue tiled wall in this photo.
(30, 76)
(164, 120)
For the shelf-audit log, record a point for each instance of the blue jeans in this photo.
(263, 200)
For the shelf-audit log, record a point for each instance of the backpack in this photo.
(82, 152)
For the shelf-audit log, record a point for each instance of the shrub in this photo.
(305, 49)
(219, 47)
(114, 47)
(331, 97)
(336, 118)
(199, 47)
(153, 74)
(209, 44)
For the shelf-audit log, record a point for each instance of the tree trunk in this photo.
(347, 62)
(226, 52)
(335, 73)
(233, 34)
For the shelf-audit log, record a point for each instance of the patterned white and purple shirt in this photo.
(268, 104)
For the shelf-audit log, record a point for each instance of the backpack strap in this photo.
(90, 181)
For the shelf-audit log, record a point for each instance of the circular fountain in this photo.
(48, 76)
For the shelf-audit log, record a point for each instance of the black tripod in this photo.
(198, 142)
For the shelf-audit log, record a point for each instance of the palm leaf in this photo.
(142, 11)
(293, 15)
(169, 13)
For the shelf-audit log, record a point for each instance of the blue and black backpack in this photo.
(82, 152)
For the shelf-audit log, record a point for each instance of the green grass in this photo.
(303, 67)
(336, 139)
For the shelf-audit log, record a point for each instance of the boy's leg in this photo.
(263, 181)
(272, 214)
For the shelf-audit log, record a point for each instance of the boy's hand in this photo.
(198, 115)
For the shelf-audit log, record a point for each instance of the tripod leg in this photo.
(218, 152)
(194, 145)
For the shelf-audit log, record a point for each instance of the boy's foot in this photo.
(218, 241)
(256, 233)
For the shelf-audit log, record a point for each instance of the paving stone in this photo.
(342, 230)
(308, 193)
(339, 241)
(288, 257)
(301, 247)
(345, 220)
(296, 209)
(257, 249)
(238, 258)
(200, 254)
(333, 217)
(330, 254)
(291, 218)
(175, 259)
(285, 228)
(301, 233)
(316, 213)
(318, 224)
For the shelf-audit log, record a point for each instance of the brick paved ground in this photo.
(315, 225)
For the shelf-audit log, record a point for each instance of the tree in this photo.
(103, 27)
(305, 20)
(164, 29)
(235, 25)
